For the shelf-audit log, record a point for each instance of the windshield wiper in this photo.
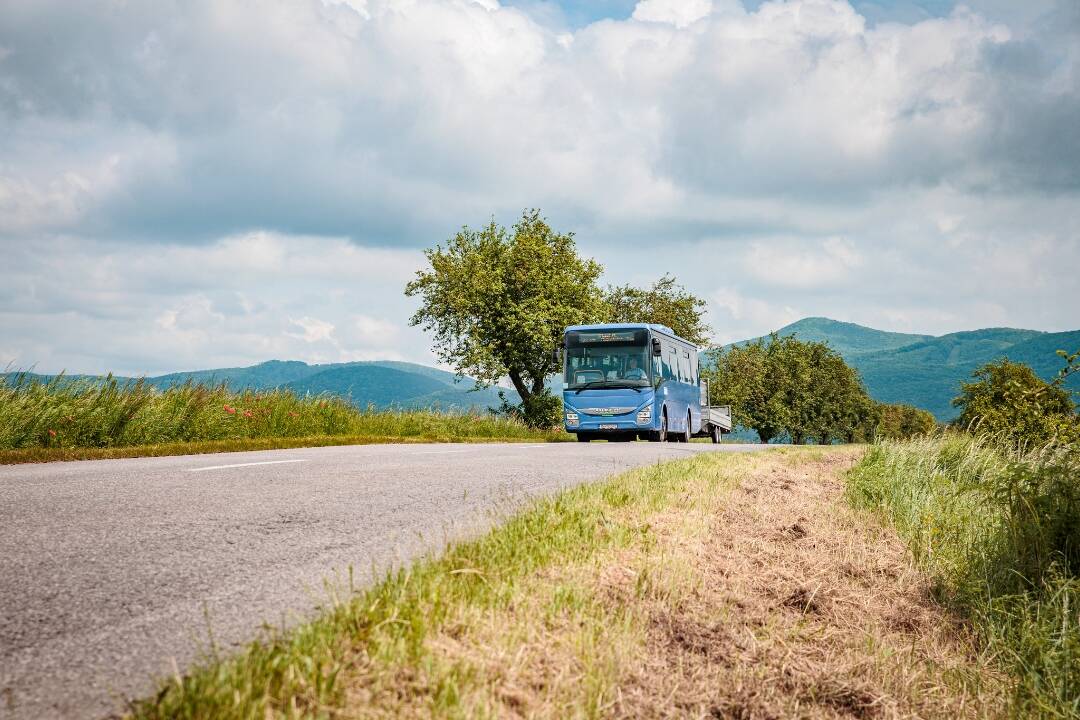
(588, 384)
(610, 384)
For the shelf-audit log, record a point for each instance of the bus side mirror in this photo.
(555, 356)
(656, 349)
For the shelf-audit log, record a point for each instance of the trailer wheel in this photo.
(717, 434)
(582, 437)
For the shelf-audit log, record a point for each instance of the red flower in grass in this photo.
(293, 414)
(52, 433)
(247, 413)
(230, 409)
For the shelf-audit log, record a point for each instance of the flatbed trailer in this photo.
(715, 419)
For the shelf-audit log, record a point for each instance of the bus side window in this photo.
(671, 366)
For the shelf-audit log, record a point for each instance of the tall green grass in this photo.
(1000, 533)
(65, 413)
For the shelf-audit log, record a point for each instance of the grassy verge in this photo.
(1000, 534)
(680, 588)
(65, 420)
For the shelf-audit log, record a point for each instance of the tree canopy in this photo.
(898, 422)
(1010, 402)
(665, 303)
(497, 302)
(784, 387)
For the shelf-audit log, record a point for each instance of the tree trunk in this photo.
(519, 385)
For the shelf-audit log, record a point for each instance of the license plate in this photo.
(609, 427)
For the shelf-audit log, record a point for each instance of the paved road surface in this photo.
(111, 570)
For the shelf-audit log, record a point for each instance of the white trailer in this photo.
(715, 419)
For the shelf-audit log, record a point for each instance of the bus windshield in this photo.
(608, 359)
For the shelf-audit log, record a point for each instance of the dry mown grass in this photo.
(770, 600)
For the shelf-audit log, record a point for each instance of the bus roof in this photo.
(631, 326)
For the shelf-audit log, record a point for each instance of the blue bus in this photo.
(628, 381)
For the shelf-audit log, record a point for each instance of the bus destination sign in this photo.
(606, 337)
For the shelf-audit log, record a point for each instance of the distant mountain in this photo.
(926, 371)
(379, 383)
(848, 338)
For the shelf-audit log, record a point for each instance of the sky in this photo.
(216, 183)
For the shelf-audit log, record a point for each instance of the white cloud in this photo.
(342, 115)
(793, 264)
(237, 301)
(736, 316)
(679, 13)
(255, 162)
(376, 330)
(313, 330)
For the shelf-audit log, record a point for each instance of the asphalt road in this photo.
(111, 571)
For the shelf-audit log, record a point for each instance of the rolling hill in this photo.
(926, 371)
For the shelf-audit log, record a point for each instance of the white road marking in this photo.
(223, 467)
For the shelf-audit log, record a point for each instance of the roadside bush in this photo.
(1000, 533)
(541, 411)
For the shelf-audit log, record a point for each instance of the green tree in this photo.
(665, 303)
(783, 386)
(497, 302)
(1009, 401)
(861, 420)
(901, 422)
(792, 364)
(838, 400)
(751, 380)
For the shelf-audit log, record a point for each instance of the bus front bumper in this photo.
(637, 421)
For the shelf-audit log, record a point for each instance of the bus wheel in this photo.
(685, 436)
(660, 435)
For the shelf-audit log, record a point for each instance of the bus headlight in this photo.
(644, 415)
(571, 418)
